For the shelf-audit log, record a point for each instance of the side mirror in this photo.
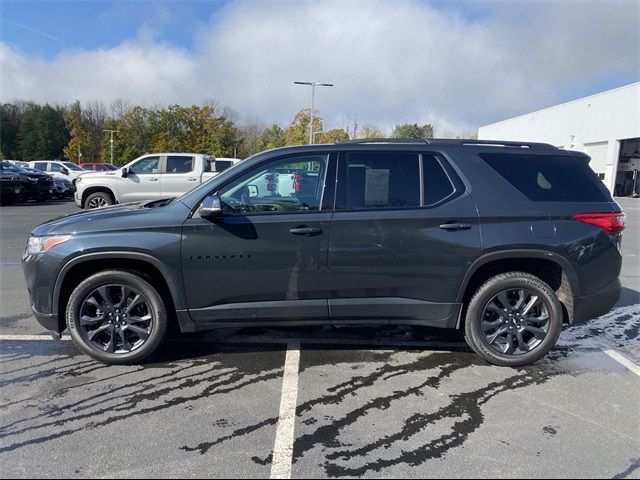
(64, 171)
(211, 207)
(125, 172)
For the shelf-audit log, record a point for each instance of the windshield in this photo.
(72, 166)
(7, 167)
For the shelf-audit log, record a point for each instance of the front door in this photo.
(403, 236)
(142, 182)
(265, 258)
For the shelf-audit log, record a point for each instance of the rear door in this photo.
(179, 175)
(402, 237)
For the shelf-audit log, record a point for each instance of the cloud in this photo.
(390, 61)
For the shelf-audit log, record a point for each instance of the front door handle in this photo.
(192, 179)
(153, 179)
(455, 226)
(307, 231)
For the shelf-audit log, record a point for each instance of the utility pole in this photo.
(111, 141)
(313, 100)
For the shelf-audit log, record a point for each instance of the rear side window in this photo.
(549, 178)
(437, 185)
(42, 166)
(179, 164)
(382, 180)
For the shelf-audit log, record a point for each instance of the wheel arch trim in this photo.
(520, 254)
(175, 285)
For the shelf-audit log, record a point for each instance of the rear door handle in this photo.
(153, 179)
(455, 226)
(192, 179)
(308, 231)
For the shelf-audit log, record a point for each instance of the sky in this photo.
(456, 64)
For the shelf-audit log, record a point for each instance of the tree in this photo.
(371, 131)
(271, 137)
(10, 115)
(85, 131)
(43, 133)
(333, 136)
(412, 130)
(298, 131)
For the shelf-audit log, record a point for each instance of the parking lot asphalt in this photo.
(317, 401)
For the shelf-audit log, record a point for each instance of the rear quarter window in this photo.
(549, 178)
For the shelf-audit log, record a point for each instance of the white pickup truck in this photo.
(149, 177)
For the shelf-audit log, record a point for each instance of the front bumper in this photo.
(598, 303)
(40, 273)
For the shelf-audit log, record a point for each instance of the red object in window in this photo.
(610, 223)
(297, 179)
(271, 184)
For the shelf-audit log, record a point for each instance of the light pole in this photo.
(111, 141)
(313, 100)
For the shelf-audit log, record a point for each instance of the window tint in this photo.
(42, 166)
(549, 178)
(437, 185)
(294, 184)
(382, 180)
(222, 165)
(55, 167)
(146, 166)
(179, 164)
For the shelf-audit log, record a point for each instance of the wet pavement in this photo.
(369, 401)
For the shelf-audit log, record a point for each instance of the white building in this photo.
(606, 126)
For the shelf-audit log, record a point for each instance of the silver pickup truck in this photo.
(149, 177)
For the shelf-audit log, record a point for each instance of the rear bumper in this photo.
(598, 303)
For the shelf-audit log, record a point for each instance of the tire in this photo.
(486, 310)
(126, 348)
(99, 200)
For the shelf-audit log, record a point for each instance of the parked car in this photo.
(98, 167)
(148, 177)
(63, 188)
(10, 186)
(59, 169)
(35, 185)
(504, 241)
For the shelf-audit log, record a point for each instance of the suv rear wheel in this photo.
(116, 317)
(513, 319)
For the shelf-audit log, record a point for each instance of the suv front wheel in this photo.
(513, 319)
(116, 317)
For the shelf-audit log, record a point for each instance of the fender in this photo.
(175, 286)
(567, 268)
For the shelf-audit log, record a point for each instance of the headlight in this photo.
(37, 245)
(33, 179)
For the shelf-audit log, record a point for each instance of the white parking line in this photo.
(624, 361)
(283, 446)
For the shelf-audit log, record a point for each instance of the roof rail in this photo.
(456, 141)
(385, 140)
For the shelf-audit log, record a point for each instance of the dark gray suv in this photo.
(506, 241)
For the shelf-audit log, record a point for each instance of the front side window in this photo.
(179, 164)
(56, 167)
(293, 184)
(146, 166)
(380, 180)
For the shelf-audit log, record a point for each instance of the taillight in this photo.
(610, 223)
